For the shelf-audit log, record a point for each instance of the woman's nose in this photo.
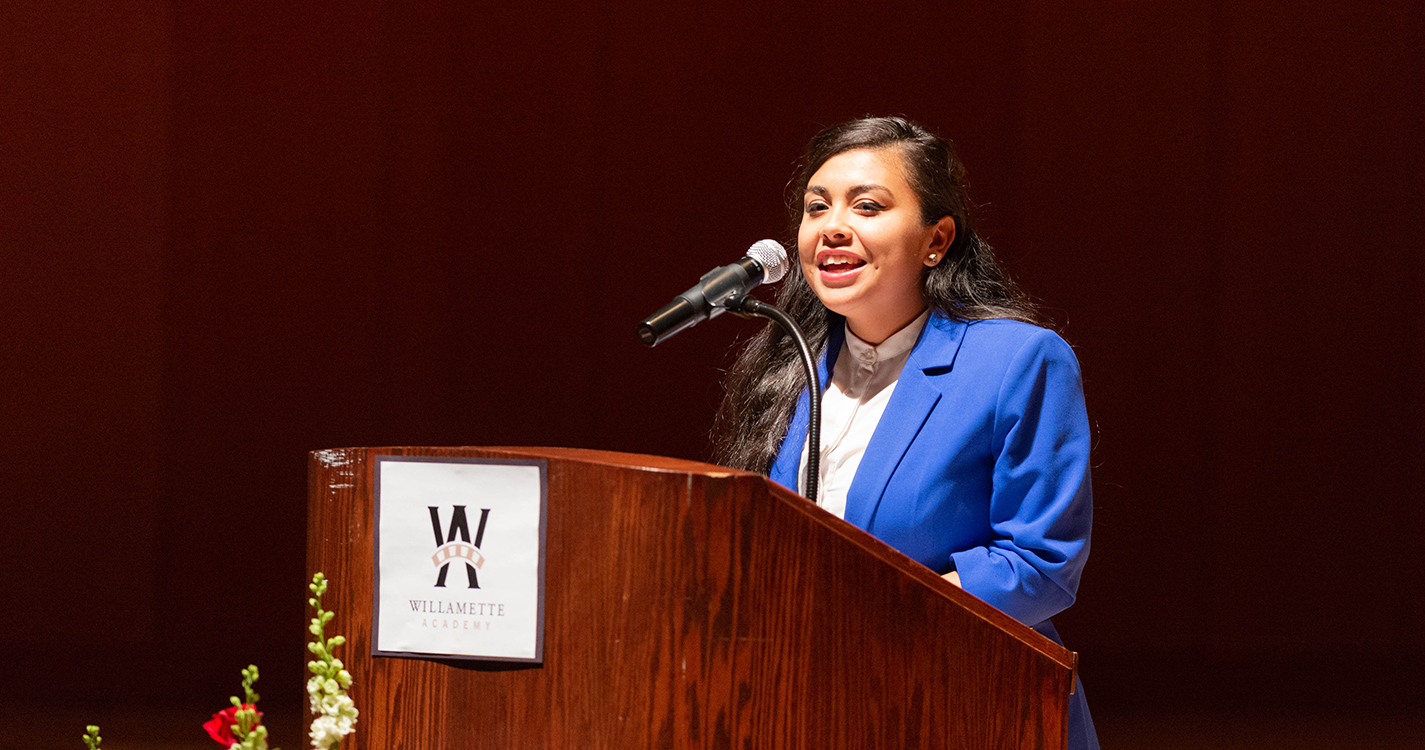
(835, 230)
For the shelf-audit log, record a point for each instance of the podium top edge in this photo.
(582, 455)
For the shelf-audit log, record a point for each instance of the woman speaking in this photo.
(953, 426)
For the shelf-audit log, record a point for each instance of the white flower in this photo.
(314, 695)
(336, 713)
(326, 690)
(325, 732)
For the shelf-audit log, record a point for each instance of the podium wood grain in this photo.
(692, 606)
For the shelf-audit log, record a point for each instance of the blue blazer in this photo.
(980, 461)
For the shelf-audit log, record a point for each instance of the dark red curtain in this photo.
(234, 233)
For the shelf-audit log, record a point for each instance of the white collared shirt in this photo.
(861, 386)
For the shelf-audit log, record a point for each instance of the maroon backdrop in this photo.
(233, 233)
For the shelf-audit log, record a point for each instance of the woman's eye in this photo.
(869, 206)
(815, 206)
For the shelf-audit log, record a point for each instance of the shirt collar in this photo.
(897, 345)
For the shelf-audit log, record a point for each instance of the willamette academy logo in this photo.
(487, 517)
(449, 550)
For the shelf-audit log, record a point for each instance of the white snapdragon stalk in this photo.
(326, 690)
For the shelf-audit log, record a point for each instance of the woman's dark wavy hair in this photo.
(767, 378)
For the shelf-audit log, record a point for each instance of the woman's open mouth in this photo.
(839, 267)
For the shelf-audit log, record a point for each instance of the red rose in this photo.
(220, 727)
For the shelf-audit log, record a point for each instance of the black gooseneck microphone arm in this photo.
(746, 306)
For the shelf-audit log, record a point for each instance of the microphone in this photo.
(766, 261)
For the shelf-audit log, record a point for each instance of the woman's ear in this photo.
(942, 237)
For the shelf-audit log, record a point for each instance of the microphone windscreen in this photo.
(773, 258)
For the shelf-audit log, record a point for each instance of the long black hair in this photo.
(767, 378)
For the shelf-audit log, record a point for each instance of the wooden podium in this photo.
(693, 606)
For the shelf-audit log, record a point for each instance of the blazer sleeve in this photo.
(1041, 503)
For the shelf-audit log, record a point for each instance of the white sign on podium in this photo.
(459, 558)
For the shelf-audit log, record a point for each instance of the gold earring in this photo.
(933, 256)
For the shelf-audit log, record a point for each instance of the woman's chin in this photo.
(841, 304)
(838, 293)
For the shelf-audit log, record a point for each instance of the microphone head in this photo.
(773, 258)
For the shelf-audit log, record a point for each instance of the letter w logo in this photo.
(447, 549)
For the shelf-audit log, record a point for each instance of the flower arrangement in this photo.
(239, 727)
(326, 690)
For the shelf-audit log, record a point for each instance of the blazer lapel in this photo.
(911, 404)
(785, 467)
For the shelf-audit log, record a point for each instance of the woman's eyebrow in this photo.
(853, 190)
(859, 189)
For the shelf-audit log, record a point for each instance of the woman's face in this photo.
(862, 244)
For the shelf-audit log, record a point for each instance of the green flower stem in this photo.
(249, 677)
(326, 665)
(248, 730)
(334, 710)
(92, 739)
